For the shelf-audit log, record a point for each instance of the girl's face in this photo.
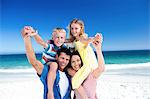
(75, 29)
(76, 62)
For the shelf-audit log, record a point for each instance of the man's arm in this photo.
(38, 39)
(37, 65)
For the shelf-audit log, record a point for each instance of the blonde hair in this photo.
(58, 30)
(76, 21)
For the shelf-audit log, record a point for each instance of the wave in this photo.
(140, 69)
(107, 66)
(127, 66)
(27, 70)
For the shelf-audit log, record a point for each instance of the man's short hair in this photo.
(64, 50)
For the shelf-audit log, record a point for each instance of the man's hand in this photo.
(28, 31)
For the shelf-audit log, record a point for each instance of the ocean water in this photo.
(19, 61)
(117, 62)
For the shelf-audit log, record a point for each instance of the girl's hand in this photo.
(98, 38)
(97, 43)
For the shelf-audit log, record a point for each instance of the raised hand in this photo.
(97, 43)
(28, 31)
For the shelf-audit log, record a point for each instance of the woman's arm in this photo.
(98, 46)
(81, 92)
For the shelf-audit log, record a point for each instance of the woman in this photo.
(86, 91)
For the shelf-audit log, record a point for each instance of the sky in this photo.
(124, 24)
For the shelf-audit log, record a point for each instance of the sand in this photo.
(110, 86)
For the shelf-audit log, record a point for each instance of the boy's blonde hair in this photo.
(58, 30)
(76, 21)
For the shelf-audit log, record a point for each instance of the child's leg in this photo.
(51, 78)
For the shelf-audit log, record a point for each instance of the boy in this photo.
(51, 48)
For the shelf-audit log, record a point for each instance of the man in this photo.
(60, 88)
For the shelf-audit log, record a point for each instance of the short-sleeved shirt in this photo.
(89, 86)
(49, 53)
(56, 87)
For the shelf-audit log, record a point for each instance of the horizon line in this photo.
(38, 52)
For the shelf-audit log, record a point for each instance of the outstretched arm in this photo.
(37, 65)
(37, 37)
(97, 45)
(39, 40)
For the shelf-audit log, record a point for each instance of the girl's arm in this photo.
(85, 39)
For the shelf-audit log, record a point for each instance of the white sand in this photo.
(109, 86)
(123, 87)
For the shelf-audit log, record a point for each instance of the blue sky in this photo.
(123, 23)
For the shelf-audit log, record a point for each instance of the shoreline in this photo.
(117, 82)
(108, 87)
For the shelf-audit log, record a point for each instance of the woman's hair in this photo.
(76, 21)
(75, 52)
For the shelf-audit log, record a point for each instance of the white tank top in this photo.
(63, 83)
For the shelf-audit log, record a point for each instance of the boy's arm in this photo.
(40, 41)
(37, 65)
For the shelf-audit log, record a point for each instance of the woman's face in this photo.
(75, 29)
(76, 62)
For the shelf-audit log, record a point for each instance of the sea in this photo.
(131, 62)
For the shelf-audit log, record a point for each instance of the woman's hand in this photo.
(97, 43)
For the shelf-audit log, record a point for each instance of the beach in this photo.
(114, 83)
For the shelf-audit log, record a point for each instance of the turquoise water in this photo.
(127, 57)
(111, 57)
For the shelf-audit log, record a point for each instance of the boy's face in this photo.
(63, 60)
(59, 38)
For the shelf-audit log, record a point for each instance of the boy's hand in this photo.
(33, 33)
(26, 31)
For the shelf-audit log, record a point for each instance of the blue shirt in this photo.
(56, 87)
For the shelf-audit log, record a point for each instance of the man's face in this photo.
(63, 60)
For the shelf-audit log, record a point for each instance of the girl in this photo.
(86, 91)
(78, 37)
